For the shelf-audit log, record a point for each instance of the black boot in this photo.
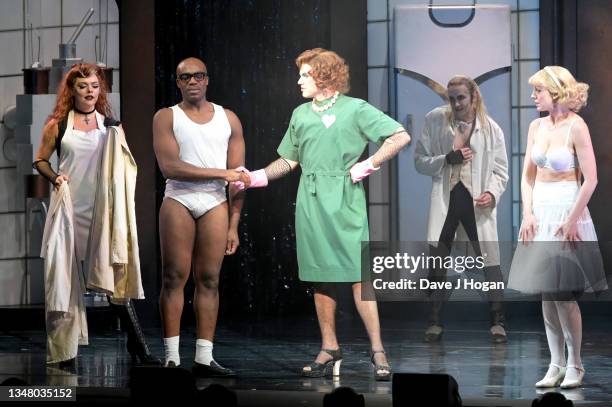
(136, 343)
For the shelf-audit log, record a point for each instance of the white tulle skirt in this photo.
(549, 264)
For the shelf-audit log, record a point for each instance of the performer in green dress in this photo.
(326, 137)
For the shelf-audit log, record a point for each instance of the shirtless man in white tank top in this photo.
(195, 142)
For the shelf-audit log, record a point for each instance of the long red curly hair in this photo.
(65, 101)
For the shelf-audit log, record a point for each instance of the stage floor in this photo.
(268, 357)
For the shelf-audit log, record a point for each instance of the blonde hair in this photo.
(329, 70)
(476, 96)
(562, 86)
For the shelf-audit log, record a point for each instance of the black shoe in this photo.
(136, 342)
(68, 366)
(316, 369)
(212, 370)
(140, 354)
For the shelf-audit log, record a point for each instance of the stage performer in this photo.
(90, 237)
(195, 142)
(326, 137)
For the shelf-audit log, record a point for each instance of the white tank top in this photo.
(79, 160)
(201, 145)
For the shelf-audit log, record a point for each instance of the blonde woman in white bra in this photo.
(554, 201)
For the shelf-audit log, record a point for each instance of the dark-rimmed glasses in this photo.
(199, 76)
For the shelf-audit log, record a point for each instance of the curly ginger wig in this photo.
(329, 70)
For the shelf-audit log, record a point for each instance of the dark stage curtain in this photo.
(249, 48)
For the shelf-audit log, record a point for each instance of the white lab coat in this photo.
(489, 174)
(65, 316)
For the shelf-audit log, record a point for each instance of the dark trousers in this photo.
(461, 210)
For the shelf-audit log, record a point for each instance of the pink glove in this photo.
(362, 169)
(259, 179)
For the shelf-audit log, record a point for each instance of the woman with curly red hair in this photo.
(77, 129)
(326, 137)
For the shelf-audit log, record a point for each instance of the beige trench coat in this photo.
(112, 251)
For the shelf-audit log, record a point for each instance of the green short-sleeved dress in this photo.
(331, 217)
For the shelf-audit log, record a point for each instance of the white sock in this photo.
(204, 350)
(171, 346)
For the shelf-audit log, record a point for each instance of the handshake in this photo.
(258, 179)
(250, 179)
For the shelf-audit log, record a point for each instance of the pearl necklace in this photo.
(326, 106)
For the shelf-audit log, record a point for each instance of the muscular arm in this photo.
(235, 158)
(167, 153)
(392, 145)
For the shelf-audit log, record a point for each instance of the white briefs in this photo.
(198, 203)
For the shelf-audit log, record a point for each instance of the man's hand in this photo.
(257, 179)
(237, 175)
(459, 156)
(362, 169)
(486, 200)
(232, 242)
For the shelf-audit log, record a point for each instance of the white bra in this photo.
(558, 159)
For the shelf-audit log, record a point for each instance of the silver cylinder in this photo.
(67, 51)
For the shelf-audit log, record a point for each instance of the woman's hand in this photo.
(59, 180)
(568, 231)
(529, 227)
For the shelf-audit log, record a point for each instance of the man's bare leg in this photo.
(325, 304)
(208, 254)
(368, 311)
(176, 236)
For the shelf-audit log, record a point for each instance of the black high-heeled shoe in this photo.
(136, 342)
(140, 354)
(68, 365)
(316, 369)
(382, 373)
